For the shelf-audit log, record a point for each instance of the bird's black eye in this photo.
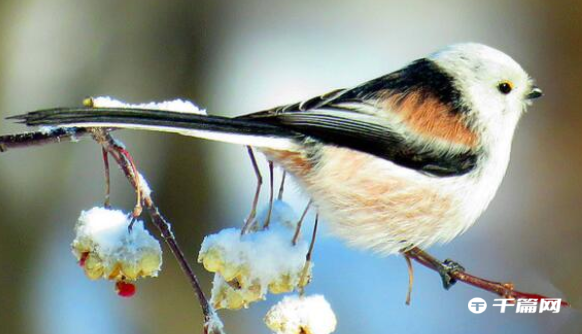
(505, 87)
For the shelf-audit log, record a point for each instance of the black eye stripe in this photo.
(505, 87)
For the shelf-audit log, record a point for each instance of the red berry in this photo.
(83, 258)
(125, 289)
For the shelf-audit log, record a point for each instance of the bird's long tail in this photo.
(231, 130)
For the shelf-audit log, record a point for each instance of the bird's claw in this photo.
(446, 269)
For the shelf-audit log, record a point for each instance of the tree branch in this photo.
(504, 290)
(39, 138)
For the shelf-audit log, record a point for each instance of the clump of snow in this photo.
(301, 315)
(145, 187)
(50, 130)
(47, 130)
(177, 105)
(105, 247)
(213, 324)
(247, 267)
(282, 213)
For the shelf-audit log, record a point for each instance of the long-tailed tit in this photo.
(408, 159)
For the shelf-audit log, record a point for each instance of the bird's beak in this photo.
(534, 93)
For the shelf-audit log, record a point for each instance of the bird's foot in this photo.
(446, 269)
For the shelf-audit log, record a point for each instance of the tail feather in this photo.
(232, 130)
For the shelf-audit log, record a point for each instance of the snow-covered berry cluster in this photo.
(106, 248)
(249, 266)
(301, 315)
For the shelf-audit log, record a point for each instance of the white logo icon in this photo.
(477, 305)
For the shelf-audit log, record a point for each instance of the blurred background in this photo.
(235, 57)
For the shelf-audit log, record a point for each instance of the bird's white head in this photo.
(492, 85)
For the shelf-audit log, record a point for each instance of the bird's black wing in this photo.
(349, 118)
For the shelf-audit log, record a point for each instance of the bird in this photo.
(408, 159)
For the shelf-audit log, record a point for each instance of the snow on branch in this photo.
(177, 105)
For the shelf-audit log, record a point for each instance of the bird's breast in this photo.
(373, 203)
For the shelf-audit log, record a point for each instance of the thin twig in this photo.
(271, 195)
(304, 280)
(300, 223)
(282, 186)
(313, 236)
(107, 202)
(252, 215)
(410, 278)
(137, 210)
(39, 138)
(504, 290)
